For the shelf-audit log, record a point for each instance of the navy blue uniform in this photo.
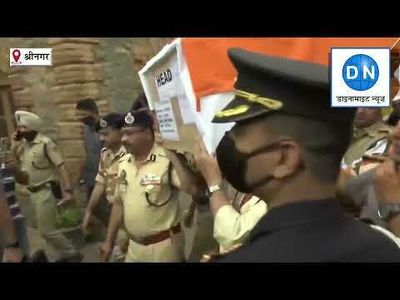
(314, 231)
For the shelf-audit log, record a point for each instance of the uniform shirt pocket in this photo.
(158, 195)
(153, 187)
(39, 161)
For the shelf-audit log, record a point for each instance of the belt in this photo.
(35, 189)
(158, 237)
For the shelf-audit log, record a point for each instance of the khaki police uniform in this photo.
(41, 169)
(366, 141)
(23, 196)
(149, 196)
(107, 176)
(107, 167)
(108, 171)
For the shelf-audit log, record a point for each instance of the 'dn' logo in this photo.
(360, 72)
(360, 77)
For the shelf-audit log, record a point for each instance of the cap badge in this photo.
(103, 123)
(129, 119)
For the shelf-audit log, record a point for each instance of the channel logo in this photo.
(360, 77)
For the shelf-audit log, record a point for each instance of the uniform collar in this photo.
(156, 150)
(298, 213)
(373, 130)
(37, 139)
(121, 152)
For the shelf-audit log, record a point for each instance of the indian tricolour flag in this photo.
(198, 72)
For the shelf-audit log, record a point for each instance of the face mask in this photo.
(233, 163)
(89, 120)
(29, 135)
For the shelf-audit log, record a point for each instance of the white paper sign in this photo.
(166, 119)
(167, 80)
(177, 83)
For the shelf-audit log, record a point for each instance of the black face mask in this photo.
(233, 163)
(89, 120)
(29, 135)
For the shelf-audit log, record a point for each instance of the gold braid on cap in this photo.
(232, 111)
(267, 102)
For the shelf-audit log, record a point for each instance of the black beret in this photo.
(87, 105)
(114, 120)
(138, 118)
(268, 84)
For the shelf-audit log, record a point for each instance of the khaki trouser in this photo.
(169, 250)
(23, 198)
(44, 220)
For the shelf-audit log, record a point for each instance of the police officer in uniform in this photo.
(386, 183)
(367, 150)
(370, 138)
(146, 199)
(40, 165)
(109, 129)
(286, 149)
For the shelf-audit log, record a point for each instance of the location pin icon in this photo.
(16, 54)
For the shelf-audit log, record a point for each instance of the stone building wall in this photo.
(104, 69)
(121, 59)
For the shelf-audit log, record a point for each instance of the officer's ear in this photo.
(290, 159)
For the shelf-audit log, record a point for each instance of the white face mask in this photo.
(396, 73)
